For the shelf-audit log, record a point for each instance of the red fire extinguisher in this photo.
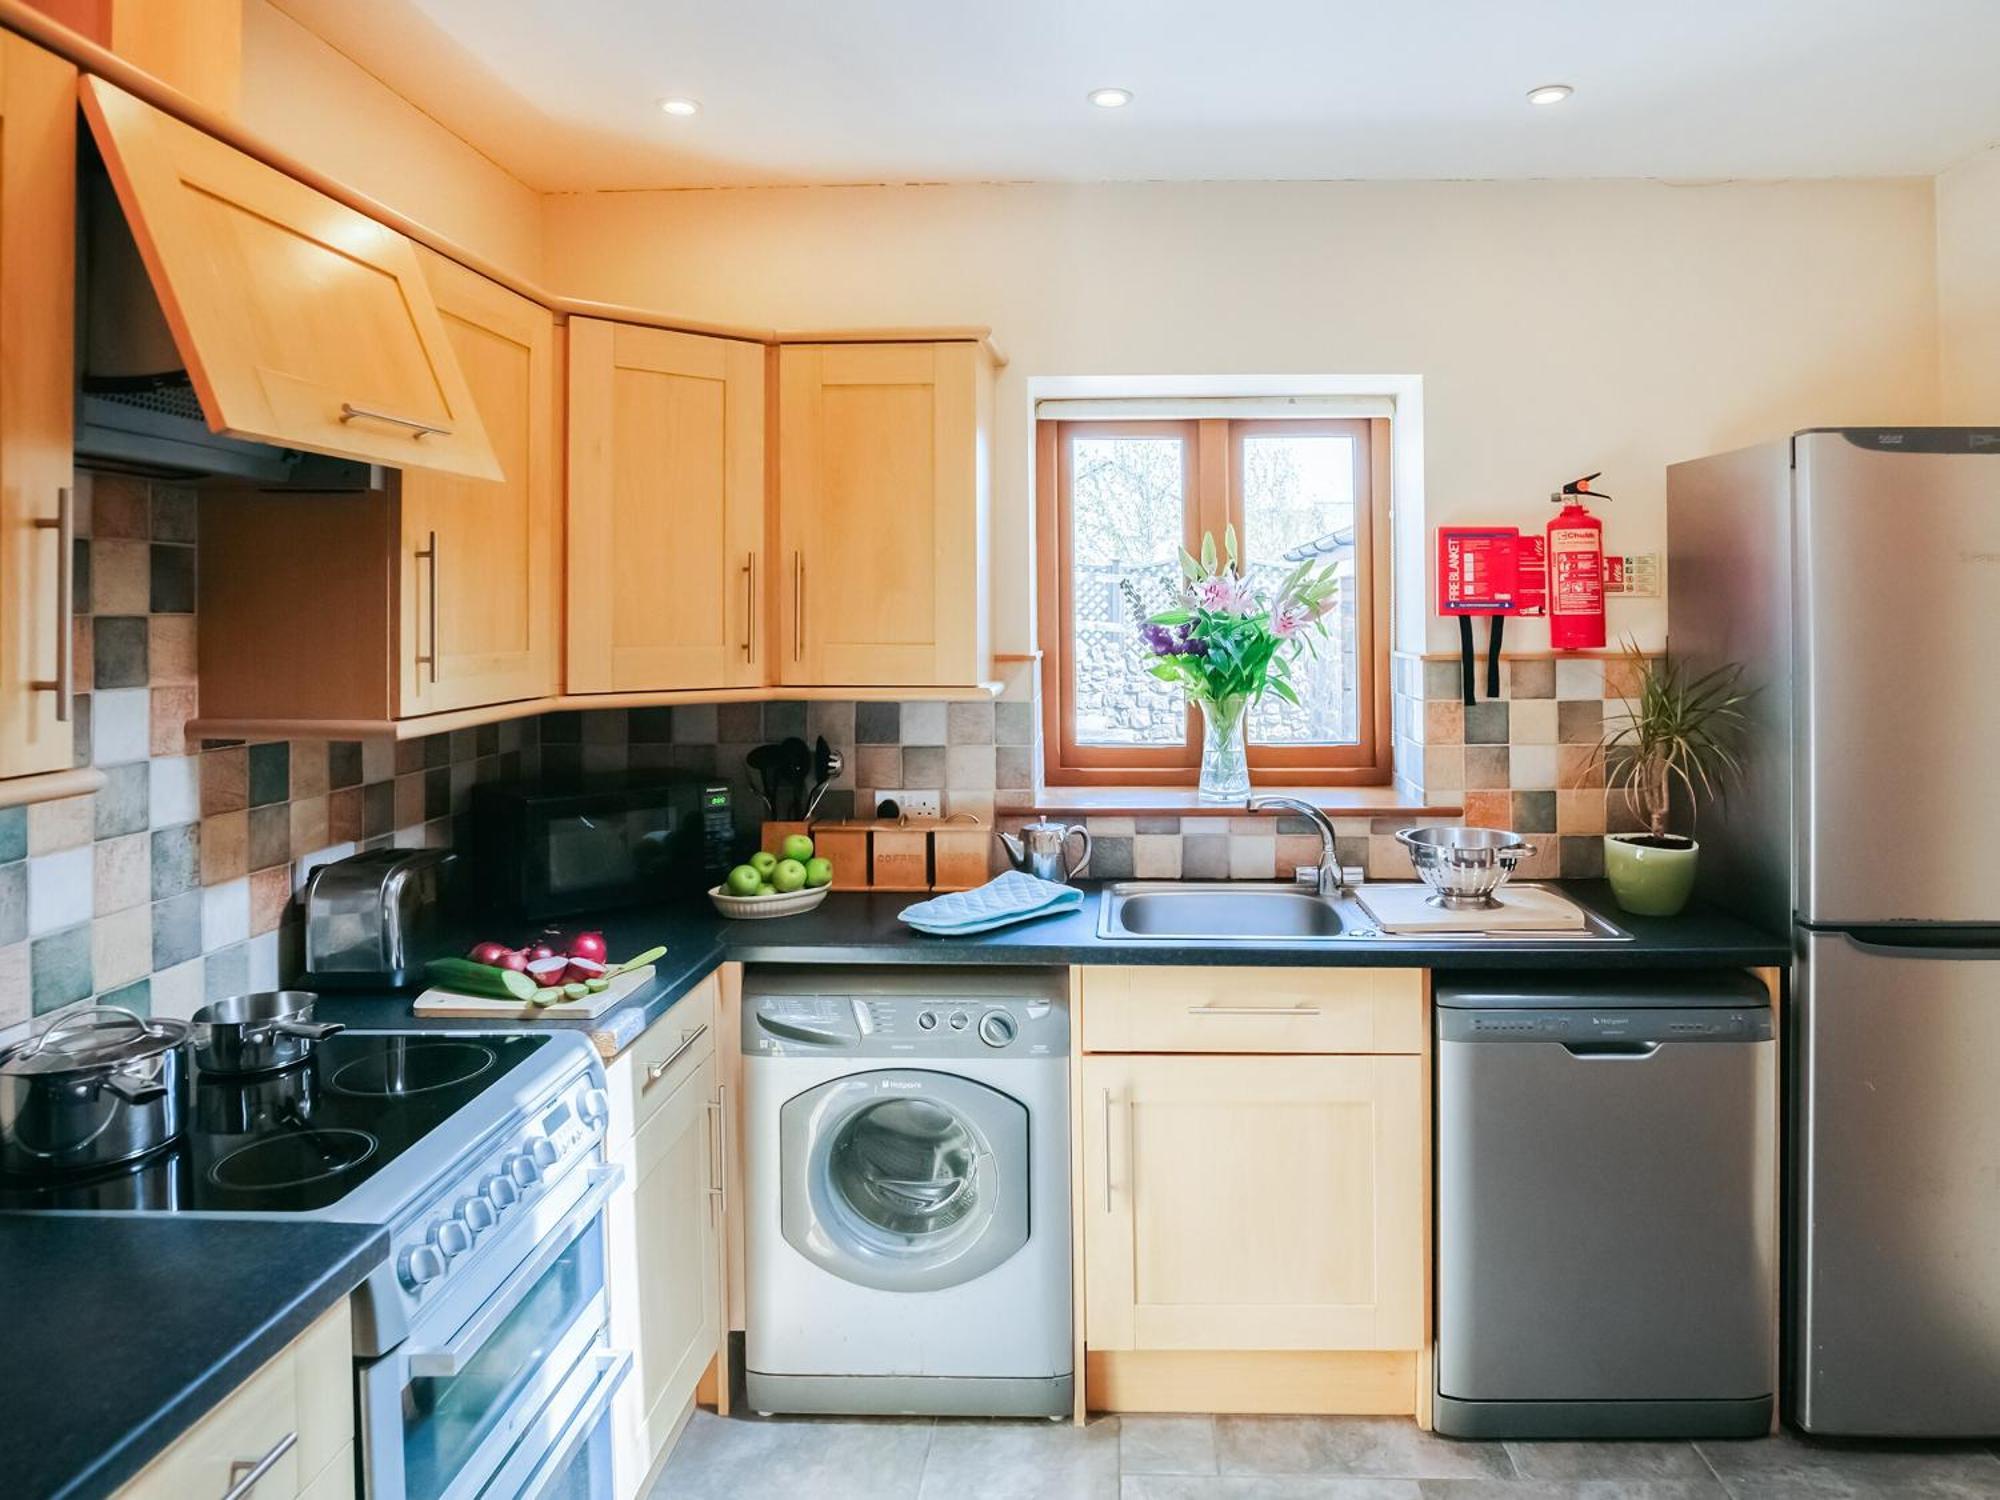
(1576, 570)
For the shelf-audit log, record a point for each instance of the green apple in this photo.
(764, 862)
(819, 872)
(789, 875)
(743, 881)
(798, 847)
(765, 888)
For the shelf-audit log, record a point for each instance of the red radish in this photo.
(548, 970)
(589, 945)
(489, 953)
(510, 959)
(582, 970)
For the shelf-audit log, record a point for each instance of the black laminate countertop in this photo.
(858, 927)
(123, 1331)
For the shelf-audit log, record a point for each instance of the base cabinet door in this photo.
(480, 579)
(882, 481)
(1253, 1203)
(37, 302)
(667, 576)
(666, 1286)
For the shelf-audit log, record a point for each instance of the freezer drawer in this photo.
(1607, 1236)
(1896, 1237)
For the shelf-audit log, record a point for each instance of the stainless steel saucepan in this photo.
(259, 1032)
(100, 1085)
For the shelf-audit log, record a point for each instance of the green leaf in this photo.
(1208, 551)
(1190, 568)
(1229, 542)
(1284, 690)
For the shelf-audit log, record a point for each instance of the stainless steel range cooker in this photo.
(483, 1361)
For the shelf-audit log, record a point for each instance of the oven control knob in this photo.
(501, 1192)
(420, 1263)
(997, 1028)
(451, 1238)
(477, 1214)
(524, 1169)
(542, 1152)
(594, 1107)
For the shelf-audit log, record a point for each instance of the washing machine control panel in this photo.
(936, 1023)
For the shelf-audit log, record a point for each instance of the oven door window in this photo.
(447, 1421)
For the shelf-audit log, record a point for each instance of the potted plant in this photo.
(1226, 644)
(1679, 731)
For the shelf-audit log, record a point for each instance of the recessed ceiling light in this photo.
(1111, 98)
(1550, 93)
(678, 106)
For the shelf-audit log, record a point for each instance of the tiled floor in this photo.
(1276, 1458)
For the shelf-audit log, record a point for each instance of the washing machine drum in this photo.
(905, 1180)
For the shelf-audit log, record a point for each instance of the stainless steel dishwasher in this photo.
(1607, 1230)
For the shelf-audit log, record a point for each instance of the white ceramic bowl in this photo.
(750, 907)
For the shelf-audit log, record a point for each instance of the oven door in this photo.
(511, 1405)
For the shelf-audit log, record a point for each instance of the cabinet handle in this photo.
(1107, 1149)
(429, 553)
(656, 1071)
(750, 607)
(63, 684)
(798, 605)
(719, 1160)
(349, 412)
(245, 1472)
(1253, 1010)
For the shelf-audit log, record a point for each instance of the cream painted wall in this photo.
(1557, 327)
(1968, 256)
(303, 96)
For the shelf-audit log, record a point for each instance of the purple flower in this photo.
(1159, 640)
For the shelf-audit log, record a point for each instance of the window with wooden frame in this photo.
(1116, 503)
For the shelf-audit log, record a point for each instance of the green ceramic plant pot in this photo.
(1650, 878)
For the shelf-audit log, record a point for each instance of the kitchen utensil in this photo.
(1043, 848)
(795, 762)
(763, 763)
(258, 1032)
(374, 919)
(788, 905)
(827, 764)
(99, 1085)
(1464, 865)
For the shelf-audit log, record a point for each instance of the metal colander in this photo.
(1465, 866)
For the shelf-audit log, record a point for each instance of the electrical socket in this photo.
(913, 804)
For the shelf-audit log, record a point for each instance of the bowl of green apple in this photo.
(783, 884)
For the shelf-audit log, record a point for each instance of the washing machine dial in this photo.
(960, 1020)
(997, 1028)
(927, 1020)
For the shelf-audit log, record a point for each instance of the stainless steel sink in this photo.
(1241, 911)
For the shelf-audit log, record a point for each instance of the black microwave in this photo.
(570, 844)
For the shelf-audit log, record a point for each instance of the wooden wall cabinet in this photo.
(303, 323)
(665, 1227)
(37, 280)
(668, 575)
(882, 514)
(434, 593)
(306, 1393)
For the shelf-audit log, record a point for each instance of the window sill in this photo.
(1181, 801)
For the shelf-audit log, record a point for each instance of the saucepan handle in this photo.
(312, 1031)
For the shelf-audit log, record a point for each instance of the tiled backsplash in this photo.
(177, 881)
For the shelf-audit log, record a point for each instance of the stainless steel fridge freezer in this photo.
(1855, 572)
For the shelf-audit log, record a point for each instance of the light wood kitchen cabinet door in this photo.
(667, 574)
(666, 1264)
(37, 312)
(1253, 1202)
(303, 323)
(882, 514)
(481, 572)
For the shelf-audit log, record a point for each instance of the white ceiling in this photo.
(564, 93)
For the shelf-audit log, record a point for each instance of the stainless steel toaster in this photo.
(375, 919)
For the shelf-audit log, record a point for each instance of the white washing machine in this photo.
(907, 1168)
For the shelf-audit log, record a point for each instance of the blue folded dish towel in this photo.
(1014, 897)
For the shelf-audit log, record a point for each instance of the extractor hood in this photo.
(136, 408)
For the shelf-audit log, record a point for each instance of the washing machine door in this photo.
(905, 1180)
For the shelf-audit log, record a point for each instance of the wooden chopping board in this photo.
(1400, 906)
(437, 1002)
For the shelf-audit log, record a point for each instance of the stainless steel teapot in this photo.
(1043, 847)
